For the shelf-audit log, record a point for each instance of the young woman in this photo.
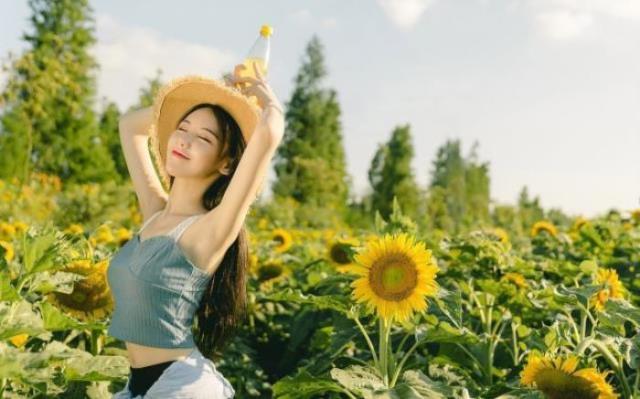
(187, 262)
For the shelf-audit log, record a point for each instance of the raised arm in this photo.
(134, 138)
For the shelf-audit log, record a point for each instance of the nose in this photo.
(185, 140)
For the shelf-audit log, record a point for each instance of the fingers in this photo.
(257, 71)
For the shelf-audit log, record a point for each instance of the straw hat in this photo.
(179, 95)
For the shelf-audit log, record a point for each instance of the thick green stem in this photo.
(583, 325)
(383, 350)
(514, 340)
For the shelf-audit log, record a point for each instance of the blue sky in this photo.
(549, 88)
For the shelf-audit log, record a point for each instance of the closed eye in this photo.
(203, 138)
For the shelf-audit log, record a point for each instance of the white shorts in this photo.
(194, 377)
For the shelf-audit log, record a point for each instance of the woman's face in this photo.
(198, 137)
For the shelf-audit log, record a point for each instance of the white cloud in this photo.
(405, 13)
(304, 17)
(330, 22)
(563, 24)
(129, 55)
(570, 19)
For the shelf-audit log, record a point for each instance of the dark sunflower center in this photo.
(557, 384)
(269, 271)
(339, 254)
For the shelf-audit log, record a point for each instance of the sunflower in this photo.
(500, 233)
(20, 226)
(73, 229)
(283, 239)
(263, 223)
(91, 297)
(8, 250)
(271, 272)
(543, 225)
(557, 378)
(396, 276)
(123, 235)
(613, 288)
(253, 263)
(103, 235)
(19, 340)
(579, 222)
(516, 278)
(635, 215)
(341, 252)
(7, 231)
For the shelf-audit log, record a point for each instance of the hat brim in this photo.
(181, 94)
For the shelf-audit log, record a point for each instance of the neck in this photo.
(185, 197)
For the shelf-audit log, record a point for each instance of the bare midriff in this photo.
(142, 356)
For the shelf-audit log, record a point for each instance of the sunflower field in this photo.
(337, 313)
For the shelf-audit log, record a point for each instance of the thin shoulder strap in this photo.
(148, 220)
(177, 231)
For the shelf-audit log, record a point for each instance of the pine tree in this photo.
(390, 175)
(310, 162)
(48, 123)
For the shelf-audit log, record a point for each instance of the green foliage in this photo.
(48, 121)
(390, 175)
(459, 192)
(312, 149)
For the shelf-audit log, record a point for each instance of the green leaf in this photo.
(333, 302)
(450, 304)
(7, 291)
(60, 282)
(423, 386)
(444, 333)
(358, 378)
(56, 320)
(41, 251)
(302, 386)
(617, 311)
(19, 318)
(96, 368)
(572, 295)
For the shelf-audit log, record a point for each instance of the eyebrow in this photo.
(204, 128)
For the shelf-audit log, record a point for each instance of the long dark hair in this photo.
(223, 304)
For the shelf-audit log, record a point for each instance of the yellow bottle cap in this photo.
(266, 30)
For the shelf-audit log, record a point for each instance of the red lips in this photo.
(179, 154)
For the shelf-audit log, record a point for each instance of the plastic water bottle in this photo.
(258, 54)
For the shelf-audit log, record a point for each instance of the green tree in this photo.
(477, 189)
(48, 122)
(310, 162)
(390, 175)
(148, 92)
(464, 186)
(529, 210)
(110, 138)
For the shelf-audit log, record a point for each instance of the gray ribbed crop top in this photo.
(156, 290)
